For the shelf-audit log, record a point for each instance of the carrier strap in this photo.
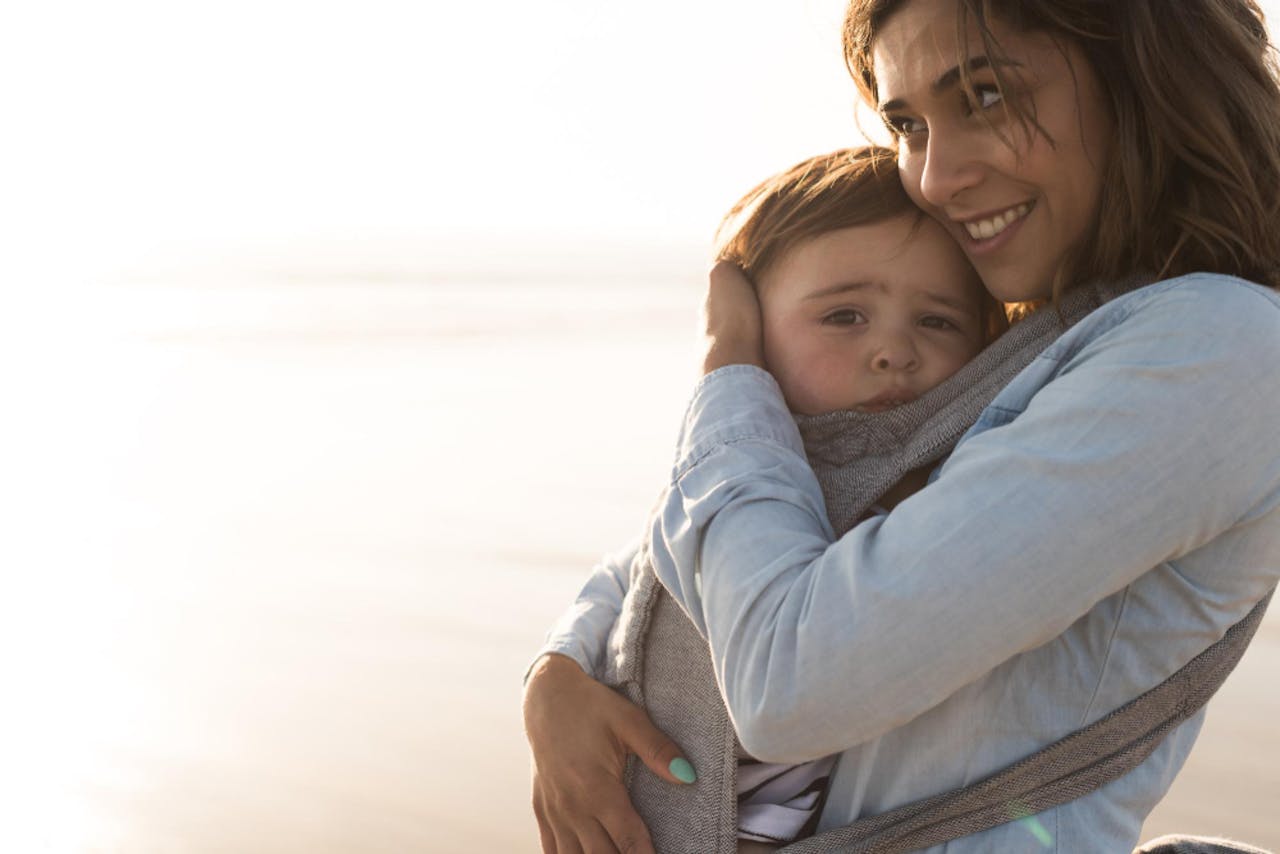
(1074, 766)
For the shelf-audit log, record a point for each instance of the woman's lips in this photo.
(1000, 227)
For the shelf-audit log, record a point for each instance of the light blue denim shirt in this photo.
(1112, 512)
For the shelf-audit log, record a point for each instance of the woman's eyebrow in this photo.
(949, 79)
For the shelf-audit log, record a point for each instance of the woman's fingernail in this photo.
(682, 770)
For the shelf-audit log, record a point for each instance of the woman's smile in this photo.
(985, 227)
(982, 238)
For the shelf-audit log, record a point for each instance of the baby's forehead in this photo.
(961, 292)
(900, 259)
(965, 289)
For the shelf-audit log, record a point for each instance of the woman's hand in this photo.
(732, 317)
(580, 733)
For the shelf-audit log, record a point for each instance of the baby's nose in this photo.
(895, 355)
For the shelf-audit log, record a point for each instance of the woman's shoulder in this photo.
(1202, 298)
(1203, 315)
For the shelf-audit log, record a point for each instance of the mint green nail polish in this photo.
(682, 770)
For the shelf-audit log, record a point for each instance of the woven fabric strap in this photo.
(1076, 765)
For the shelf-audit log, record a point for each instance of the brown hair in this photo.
(846, 188)
(1193, 183)
(852, 186)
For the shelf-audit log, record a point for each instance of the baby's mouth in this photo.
(883, 402)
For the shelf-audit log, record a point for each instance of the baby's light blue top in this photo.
(1113, 511)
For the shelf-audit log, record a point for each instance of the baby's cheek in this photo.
(797, 379)
(827, 383)
(794, 384)
(784, 353)
(772, 339)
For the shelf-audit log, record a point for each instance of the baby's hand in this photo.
(731, 317)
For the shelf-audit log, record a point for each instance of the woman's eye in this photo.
(985, 97)
(935, 322)
(844, 317)
(902, 126)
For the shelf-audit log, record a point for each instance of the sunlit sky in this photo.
(162, 130)
(157, 132)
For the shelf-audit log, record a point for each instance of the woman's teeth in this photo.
(985, 229)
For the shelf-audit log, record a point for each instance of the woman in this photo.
(1125, 488)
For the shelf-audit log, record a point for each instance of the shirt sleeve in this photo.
(1148, 439)
(582, 631)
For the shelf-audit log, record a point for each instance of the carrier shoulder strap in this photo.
(1074, 766)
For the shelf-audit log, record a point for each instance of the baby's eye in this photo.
(844, 317)
(933, 321)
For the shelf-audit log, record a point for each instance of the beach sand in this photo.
(289, 549)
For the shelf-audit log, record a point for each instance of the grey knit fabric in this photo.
(665, 666)
(658, 659)
(1196, 845)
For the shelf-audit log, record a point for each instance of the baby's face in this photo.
(869, 317)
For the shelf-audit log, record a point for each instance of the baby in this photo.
(866, 304)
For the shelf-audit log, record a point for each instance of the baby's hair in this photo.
(830, 192)
(852, 186)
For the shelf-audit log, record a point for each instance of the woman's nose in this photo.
(949, 166)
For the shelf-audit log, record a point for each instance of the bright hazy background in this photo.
(340, 339)
(175, 131)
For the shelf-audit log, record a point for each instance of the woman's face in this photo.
(1018, 205)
